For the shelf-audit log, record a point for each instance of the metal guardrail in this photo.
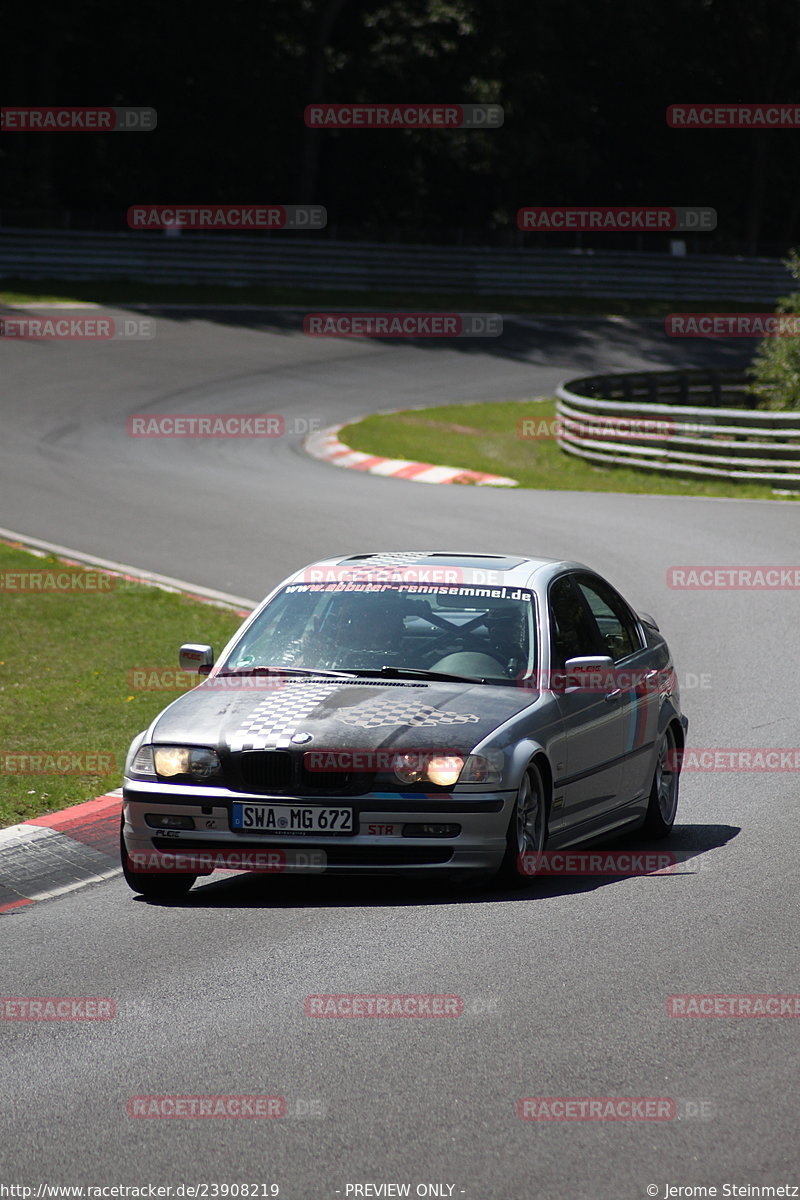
(693, 423)
(284, 260)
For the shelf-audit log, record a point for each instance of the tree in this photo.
(776, 365)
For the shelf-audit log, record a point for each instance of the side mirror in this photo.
(590, 673)
(196, 657)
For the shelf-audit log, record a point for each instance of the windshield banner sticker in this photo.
(427, 589)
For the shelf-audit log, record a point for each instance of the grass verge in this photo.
(66, 677)
(120, 292)
(483, 437)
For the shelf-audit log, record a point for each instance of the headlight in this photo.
(445, 770)
(483, 768)
(442, 770)
(409, 768)
(195, 761)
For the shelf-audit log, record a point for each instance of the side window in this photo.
(615, 620)
(573, 631)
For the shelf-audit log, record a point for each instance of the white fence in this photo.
(677, 423)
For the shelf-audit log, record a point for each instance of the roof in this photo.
(437, 566)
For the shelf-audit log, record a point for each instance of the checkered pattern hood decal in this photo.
(367, 715)
(273, 720)
(397, 710)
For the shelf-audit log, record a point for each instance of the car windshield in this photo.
(474, 632)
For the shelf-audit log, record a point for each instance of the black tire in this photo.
(663, 803)
(527, 831)
(152, 886)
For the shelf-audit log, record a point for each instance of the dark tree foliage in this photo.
(584, 84)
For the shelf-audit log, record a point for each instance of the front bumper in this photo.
(378, 846)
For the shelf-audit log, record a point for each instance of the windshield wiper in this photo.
(388, 672)
(289, 671)
(385, 672)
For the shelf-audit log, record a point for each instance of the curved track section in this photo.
(565, 987)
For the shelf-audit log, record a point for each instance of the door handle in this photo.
(613, 697)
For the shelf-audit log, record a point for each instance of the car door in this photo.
(595, 722)
(636, 676)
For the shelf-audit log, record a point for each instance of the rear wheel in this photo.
(152, 886)
(527, 831)
(663, 803)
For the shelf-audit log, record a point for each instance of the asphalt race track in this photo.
(565, 986)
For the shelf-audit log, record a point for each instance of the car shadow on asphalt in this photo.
(690, 849)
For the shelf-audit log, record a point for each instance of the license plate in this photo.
(291, 818)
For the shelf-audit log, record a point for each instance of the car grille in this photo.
(280, 771)
(265, 770)
(326, 781)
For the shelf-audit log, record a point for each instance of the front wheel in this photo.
(663, 803)
(152, 886)
(527, 831)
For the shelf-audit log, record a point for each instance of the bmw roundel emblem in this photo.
(300, 739)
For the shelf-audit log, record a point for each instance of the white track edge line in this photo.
(151, 577)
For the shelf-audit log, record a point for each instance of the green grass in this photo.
(64, 676)
(483, 437)
(14, 291)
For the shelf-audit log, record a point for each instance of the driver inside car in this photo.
(508, 639)
(370, 628)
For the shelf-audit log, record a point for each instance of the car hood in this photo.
(363, 715)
